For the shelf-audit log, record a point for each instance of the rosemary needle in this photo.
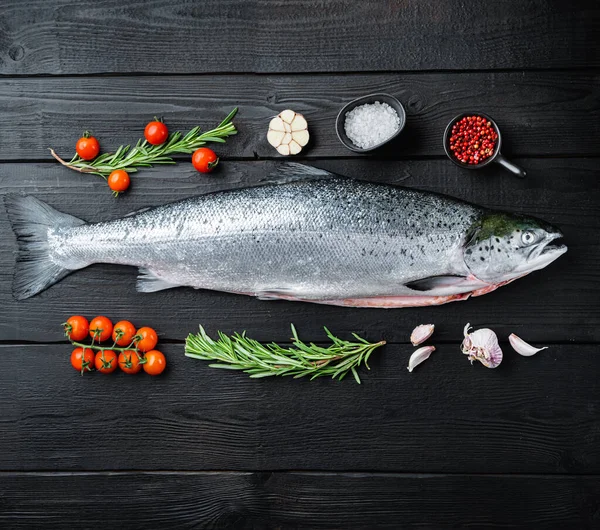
(240, 352)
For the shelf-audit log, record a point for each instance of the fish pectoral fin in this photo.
(149, 282)
(267, 296)
(435, 282)
(276, 294)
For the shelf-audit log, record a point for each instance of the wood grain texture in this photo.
(539, 113)
(530, 415)
(448, 446)
(297, 500)
(557, 304)
(63, 37)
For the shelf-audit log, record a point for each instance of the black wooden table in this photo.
(448, 446)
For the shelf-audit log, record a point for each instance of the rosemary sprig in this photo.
(143, 154)
(239, 352)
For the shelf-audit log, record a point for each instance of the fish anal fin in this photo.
(149, 282)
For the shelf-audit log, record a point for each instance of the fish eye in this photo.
(527, 237)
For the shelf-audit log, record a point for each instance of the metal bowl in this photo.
(496, 156)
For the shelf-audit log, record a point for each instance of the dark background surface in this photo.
(448, 446)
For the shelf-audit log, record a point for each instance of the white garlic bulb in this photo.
(288, 132)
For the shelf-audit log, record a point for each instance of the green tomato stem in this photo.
(102, 348)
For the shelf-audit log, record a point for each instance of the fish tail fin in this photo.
(30, 219)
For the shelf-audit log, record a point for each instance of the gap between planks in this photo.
(566, 69)
(403, 474)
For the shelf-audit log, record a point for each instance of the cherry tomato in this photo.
(76, 327)
(129, 361)
(87, 147)
(118, 181)
(81, 360)
(106, 361)
(123, 333)
(146, 339)
(156, 132)
(154, 362)
(101, 329)
(205, 160)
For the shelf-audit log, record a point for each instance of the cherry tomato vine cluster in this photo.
(132, 349)
(155, 133)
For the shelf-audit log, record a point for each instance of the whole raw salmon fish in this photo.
(316, 237)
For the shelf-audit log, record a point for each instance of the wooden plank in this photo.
(530, 415)
(63, 37)
(556, 304)
(296, 500)
(540, 113)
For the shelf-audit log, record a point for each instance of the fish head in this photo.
(503, 247)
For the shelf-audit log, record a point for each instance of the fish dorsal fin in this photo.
(295, 172)
(135, 212)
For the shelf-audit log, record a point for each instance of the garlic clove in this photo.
(284, 149)
(287, 115)
(275, 137)
(299, 123)
(276, 124)
(293, 127)
(522, 347)
(295, 148)
(301, 137)
(421, 333)
(482, 345)
(420, 355)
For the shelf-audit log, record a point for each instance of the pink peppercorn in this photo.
(473, 139)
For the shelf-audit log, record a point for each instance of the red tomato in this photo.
(154, 362)
(82, 360)
(205, 160)
(100, 329)
(87, 147)
(123, 333)
(76, 327)
(129, 361)
(106, 361)
(146, 339)
(118, 181)
(156, 132)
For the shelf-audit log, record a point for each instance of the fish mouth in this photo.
(553, 248)
(545, 253)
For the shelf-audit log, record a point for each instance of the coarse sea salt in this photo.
(371, 124)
